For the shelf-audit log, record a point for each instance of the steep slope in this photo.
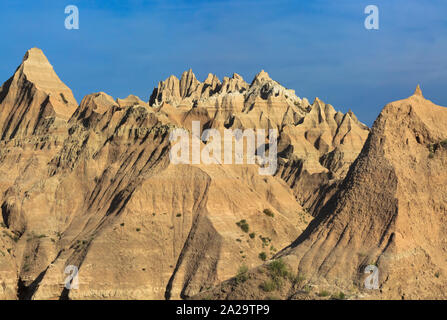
(390, 212)
(93, 186)
(98, 192)
(33, 98)
(316, 144)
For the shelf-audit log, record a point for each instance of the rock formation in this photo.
(92, 186)
(388, 213)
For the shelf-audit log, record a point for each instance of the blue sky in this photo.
(319, 48)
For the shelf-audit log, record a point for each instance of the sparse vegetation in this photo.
(13, 236)
(80, 244)
(432, 148)
(122, 224)
(34, 236)
(437, 274)
(138, 229)
(265, 241)
(268, 212)
(278, 268)
(324, 293)
(242, 274)
(243, 225)
(262, 256)
(297, 279)
(178, 215)
(339, 296)
(278, 271)
(252, 235)
(269, 286)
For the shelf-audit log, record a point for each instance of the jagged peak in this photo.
(318, 102)
(38, 70)
(237, 77)
(188, 74)
(211, 78)
(262, 76)
(418, 91)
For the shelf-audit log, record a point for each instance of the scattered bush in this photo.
(242, 274)
(138, 229)
(243, 225)
(122, 224)
(268, 286)
(269, 212)
(297, 279)
(324, 293)
(278, 268)
(252, 235)
(178, 215)
(339, 296)
(263, 256)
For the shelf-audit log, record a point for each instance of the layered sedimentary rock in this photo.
(93, 187)
(387, 216)
(316, 144)
(33, 98)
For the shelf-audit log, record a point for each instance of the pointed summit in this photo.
(38, 70)
(33, 94)
(418, 91)
(262, 76)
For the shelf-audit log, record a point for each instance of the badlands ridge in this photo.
(92, 186)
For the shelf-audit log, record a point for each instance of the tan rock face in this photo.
(93, 186)
(389, 212)
(33, 98)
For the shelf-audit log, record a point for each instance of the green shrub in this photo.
(444, 143)
(138, 229)
(278, 268)
(269, 212)
(268, 286)
(252, 235)
(178, 215)
(243, 225)
(324, 293)
(340, 296)
(263, 256)
(242, 274)
(296, 279)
